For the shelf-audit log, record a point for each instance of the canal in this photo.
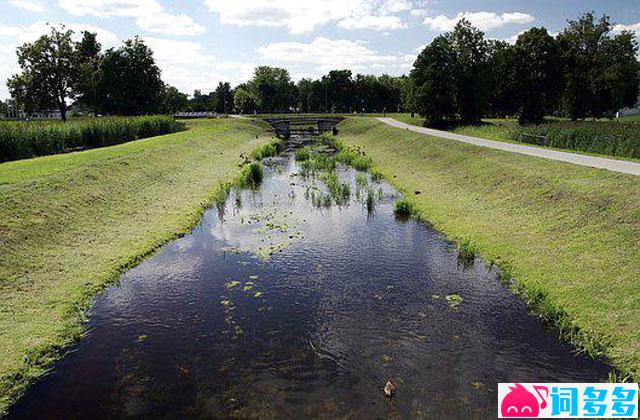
(291, 300)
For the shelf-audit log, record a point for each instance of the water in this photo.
(214, 326)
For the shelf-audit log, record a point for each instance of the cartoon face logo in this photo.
(521, 403)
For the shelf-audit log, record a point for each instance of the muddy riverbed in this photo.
(292, 302)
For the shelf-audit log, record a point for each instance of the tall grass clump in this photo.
(21, 139)
(251, 175)
(268, 150)
(351, 157)
(403, 208)
(603, 137)
(302, 154)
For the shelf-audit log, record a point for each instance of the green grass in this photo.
(70, 224)
(567, 235)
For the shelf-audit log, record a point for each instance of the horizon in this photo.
(364, 36)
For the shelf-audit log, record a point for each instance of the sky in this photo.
(199, 43)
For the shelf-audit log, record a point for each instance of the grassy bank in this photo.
(567, 234)
(70, 224)
(21, 139)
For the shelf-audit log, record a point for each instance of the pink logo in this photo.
(521, 403)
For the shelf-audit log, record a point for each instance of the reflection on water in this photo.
(285, 309)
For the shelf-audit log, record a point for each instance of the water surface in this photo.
(276, 307)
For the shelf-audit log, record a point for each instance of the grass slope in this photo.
(568, 235)
(70, 224)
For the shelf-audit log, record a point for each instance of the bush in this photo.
(604, 137)
(20, 140)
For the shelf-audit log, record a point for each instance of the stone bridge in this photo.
(287, 126)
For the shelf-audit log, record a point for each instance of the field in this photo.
(71, 223)
(567, 235)
(20, 140)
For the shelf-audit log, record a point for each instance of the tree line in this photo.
(460, 77)
(57, 72)
(584, 71)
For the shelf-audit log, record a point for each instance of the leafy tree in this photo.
(88, 66)
(273, 89)
(223, 98)
(450, 76)
(130, 81)
(503, 86)
(200, 102)
(538, 74)
(472, 87)
(601, 72)
(48, 73)
(4, 109)
(339, 87)
(244, 100)
(434, 79)
(173, 100)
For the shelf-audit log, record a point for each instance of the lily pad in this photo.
(453, 300)
(232, 284)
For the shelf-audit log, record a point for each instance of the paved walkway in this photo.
(614, 165)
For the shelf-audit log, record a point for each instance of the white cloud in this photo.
(188, 66)
(419, 12)
(483, 20)
(109, 8)
(168, 24)
(377, 23)
(394, 6)
(30, 5)
(631, 28)
(304, 16)
(323, 54)
(150, 14)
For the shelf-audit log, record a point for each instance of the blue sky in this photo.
(201, 42)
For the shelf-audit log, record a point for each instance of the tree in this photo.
(48, 73)
(538, 74)
(472, 87)
(88, 64)
(503, 81)
(273, 89)
(130, 82)
(433, 77)
(339, 87)
(450, 77)
(601, 72)
(223, 98)
(173, 100)
(4, 109)
(244, 100)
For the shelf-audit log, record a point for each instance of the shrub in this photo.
(20, 140)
